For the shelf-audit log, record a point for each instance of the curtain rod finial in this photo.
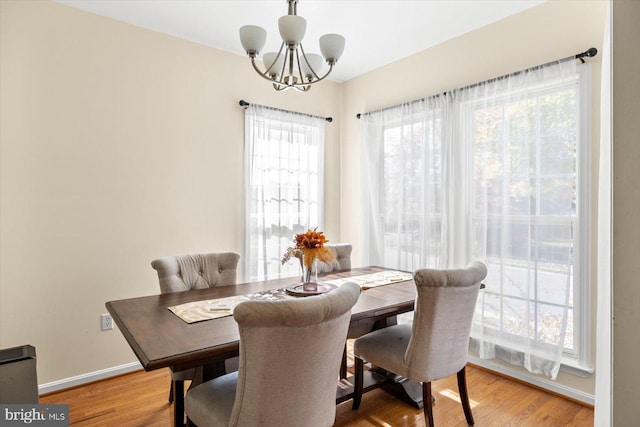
(590, 53)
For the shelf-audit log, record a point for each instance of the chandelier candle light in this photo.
(291, 67)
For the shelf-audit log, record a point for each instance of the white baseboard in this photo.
(88, 377)
(544, 383)
(535, 380)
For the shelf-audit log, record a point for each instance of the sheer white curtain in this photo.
(284, 163)
(524, 132)
(487, 172)
(402, 206)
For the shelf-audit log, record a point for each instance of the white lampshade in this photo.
(315, 61)
(292, 28)
(253, 38)
(267, 60)
(332, 46)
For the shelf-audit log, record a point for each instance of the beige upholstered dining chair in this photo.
(289, 359)
(341, 258)
(197, 271)
(436, 345)
(342, 262)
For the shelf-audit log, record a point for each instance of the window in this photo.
(498, 172)
(284, 154)
(531, 188)
(404, 207)
(412, 193)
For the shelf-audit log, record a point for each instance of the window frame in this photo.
(301, 131)
(583, 315)
(578, 359)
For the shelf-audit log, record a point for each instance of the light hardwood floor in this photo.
(140, 400)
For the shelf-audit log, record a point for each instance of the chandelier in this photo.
(291, 67)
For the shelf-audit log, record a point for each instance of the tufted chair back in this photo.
(437, 343)
(303, 337)
(444, 312)
(341, 258)
(199, 271)
(181, 273)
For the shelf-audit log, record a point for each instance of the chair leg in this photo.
(464, 396)
(171, 392)
(427, 403)
(358, 382)
(343, 366)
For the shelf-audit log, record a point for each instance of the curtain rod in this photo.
(588, 53)
(245, 104)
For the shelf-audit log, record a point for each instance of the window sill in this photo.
(535, 380)
(570, 366)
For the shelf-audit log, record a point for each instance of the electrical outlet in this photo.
(106, 322)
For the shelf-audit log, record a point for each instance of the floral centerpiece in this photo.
(309, 247)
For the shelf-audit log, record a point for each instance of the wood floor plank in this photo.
(140, 400)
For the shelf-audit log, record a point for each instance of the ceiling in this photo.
(377, 32)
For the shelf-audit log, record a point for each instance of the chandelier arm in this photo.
(266, 73)
(262, 74)
(304, 55)
(298, 64)
(284, 64)
(315, 81)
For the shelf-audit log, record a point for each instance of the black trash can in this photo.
(18, 378)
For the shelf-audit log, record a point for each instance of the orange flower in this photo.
(311, 244)
(310, 240)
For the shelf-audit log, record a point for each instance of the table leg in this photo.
(202, 374)
(178, 404)
(406, 390)
(213, 370)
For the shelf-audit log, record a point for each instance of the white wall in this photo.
(118, 145)
(551, 31)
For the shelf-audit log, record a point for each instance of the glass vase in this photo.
(309, 274)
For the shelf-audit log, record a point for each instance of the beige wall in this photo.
(118, 145)
(626, 212)
(535, 36)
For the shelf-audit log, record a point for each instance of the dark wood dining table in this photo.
(161, 339)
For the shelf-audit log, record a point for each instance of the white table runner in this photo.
(198, 311)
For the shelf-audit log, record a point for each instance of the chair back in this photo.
(290, 355)
(444, 311)
(198, 271)
(341, 258)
